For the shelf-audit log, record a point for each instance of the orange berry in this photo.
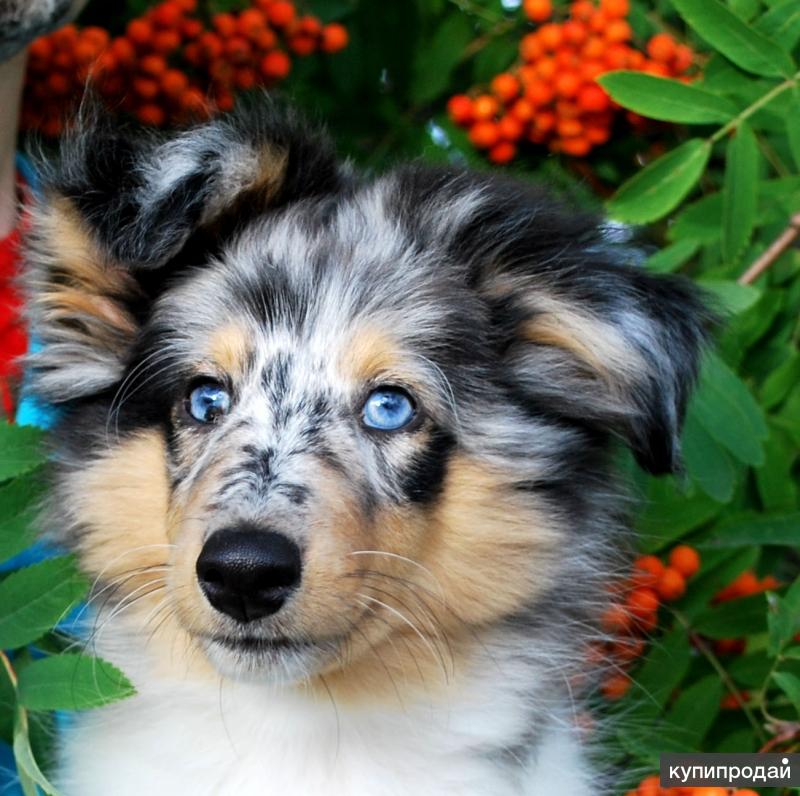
(616, 618)
(530, 48)
(546, 68)
(575, 32)
(265, 40)
(615, 9)
(153, 65)
(505, 87)
(641, 602)
(744, 792)
(685, 559)
(656, 69)
(275, 65)
(628, 650)
(238, 50)
(485, 107)
(540, 92)
(459, 108)
(140, 32)
(545, 122)
(302, 44)
(616, 56)
(729, 702)
(537, 10)
(511, 128)
(550, 36)
(591, 70)
(522, 110)
(582, 10)
(568, 84)
(650, 786)
(647, 570)
(334, 38)
(66, 36)
(484, 134)
(671, 585)
(251, 21)
(145, 87)
(308, 26)
(166, 41)
(684, 57)
(58, 84)
(661, 48)
(225, 24)
(598, 133)
(568, 128)
(84, 52)
(281, 13)
(194, 102)
(123, 50)
(245, 78)
(593, 98)
(618, 30)
(41, 48)
(598, 22)
(616, 686)
(730, 646)
(191, 28)
(96, 35)
(224, 101)
(594, 48)
(167, 15)
(174, 83)
(210, 45)
(502, 153)
(151, 115)
(188, 6)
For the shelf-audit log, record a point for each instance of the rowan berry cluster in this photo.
(650, 787)
(634, 612)
(170, 66)
(552, 97)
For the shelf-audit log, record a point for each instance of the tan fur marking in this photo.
(229, 349)
(271, 171)
(371, 352)
(591, 340)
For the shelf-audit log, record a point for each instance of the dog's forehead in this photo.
(316, 275)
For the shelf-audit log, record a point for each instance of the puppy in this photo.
(337, 451)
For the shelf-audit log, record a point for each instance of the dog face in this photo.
(308, 417)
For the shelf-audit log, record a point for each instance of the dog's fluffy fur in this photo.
(453, 572)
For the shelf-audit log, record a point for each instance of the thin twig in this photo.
(773, 252)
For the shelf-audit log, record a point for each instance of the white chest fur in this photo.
(232, 739)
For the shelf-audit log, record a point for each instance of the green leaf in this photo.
(707, 464)
(71, 682)
(729, 413)
(782, 24)
(753, 529)
(30, 774)
(34, 599)
(662, 185)
(733, 619)
(776, 485)
(792, 127)
(435, 63)
(700, 220)
(662, 671)
(20, 450)
(790, 685)
(666, 100)
(694, 711)
(782, 623)
(780, 382)
(670, 514)
(735, 39)
(18, 500)
(672, 257)
(740, 196)
(732, 297)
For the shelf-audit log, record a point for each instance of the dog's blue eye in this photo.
(388, 409)
(208, 401)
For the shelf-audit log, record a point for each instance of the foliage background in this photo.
(713, 209)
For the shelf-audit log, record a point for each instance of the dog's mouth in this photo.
(261, 645)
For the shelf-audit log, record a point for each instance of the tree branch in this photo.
(773, 252)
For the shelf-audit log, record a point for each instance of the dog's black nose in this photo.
(248, 574)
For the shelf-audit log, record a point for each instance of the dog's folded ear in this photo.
(122, 212)
(582, 333)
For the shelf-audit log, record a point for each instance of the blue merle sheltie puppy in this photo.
(337, 452)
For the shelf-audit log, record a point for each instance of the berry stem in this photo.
(12, 675)
(709, 655)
